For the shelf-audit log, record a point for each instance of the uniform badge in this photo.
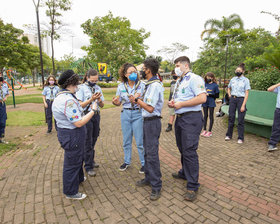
(69, 104)
(183, 90)
(201, 87)
(74, 111)
(188, 78)
(149, 100)
(71, 119)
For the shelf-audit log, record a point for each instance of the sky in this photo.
(168, 21)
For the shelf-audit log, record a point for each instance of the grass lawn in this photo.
(6, 147)
(25, 118)
(31, 98)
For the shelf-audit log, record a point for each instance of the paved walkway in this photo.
(239, 183)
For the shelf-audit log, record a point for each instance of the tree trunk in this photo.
(52, 55)
(33, 77)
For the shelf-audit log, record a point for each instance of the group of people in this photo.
(76, 111)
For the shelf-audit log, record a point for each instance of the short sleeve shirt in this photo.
(190, 86)
(4, 91)
(211, 89)
(239, 86)
(50, 92)
(277, 90)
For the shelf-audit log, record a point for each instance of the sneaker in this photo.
(48, 131)
(91, 173)
(227, 138)
(96, 165)
(271, 148)
(123, 167)
(85, 178)
(155, 195)
(190, 195)
(239, 141)
(142, 183)
(169, 128)
(142, 170)
(78, 196)
(203, 133)
(3, 141)
(178, 176)
(208, 134)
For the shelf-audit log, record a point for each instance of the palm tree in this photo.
(216, 26)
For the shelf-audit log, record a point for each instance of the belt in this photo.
(189, 112)
(131, 108)
(95, 113)
(152, 118)
(237, 96)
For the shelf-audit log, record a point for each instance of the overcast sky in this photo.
(168, 21)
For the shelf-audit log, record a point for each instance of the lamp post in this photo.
(227, 39)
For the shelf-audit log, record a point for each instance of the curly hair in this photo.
(211, 75)
(123, 71)
(73, 80)
(152, 64)
(48, 79)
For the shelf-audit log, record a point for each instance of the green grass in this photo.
(6, 147)
(25, 118)
(31, 98)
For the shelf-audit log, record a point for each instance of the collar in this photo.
(153, 78)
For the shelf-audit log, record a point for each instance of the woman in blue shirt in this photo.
(213, 92)
(49, 93)
(131, 116)
(238, 92)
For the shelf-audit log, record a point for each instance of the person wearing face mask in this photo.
(71, 132)
(88, 93)
(49, 92)
(238, 92)
(213, 92)
(131, 117)
(4, 93)
(188, 96)
(171, 110)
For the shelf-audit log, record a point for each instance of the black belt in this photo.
(95, 112)
(237, 96)
(131, 108)
(152, 118)
(189, 112)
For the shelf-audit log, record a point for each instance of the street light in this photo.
(227, 39)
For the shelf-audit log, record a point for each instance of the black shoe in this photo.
(155, 195)
(48, 131)
(91, 173)
(142, 183)
(178, 176)
(123, 167)
(190, 195)
(142, 170)
(96, 165)
(169, 128)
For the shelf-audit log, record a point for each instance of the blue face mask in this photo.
(133, 76)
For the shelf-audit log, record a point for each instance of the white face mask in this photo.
(178, 71)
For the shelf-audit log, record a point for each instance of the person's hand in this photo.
(46, 105)
(98, 95)
(242, 109)
(95, 96)
(94, 106)
(132, 99)
(116, 100)
(137, 95)
(171, 104)
(178, 105)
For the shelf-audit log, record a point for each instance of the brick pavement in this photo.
(239, 183)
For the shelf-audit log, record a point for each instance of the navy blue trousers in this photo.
(93, 130)
(73, 143)
(235, 104)
(187, 131)
(275, 133)
(151, 134)
(3, 118)
(49, 116)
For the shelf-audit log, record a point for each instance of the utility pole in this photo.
(224, 86)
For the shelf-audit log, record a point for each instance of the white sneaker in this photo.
(239, 141)
(78, 196)
(227, 138)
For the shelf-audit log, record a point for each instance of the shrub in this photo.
(108, 85)
(261, 79)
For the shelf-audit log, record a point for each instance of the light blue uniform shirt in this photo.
(50, 92)
(239, 85)
(277, 90)
(84, 93)
(124, 96)
(154, 98)
(66, 110)
(189, 87)
(4, 91)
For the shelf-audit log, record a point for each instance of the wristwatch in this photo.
(136, 99)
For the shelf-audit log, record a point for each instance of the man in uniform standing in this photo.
(4, 92)
(189, 94)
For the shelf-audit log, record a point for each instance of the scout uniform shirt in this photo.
(50, 92)
(124, 94)
(4, 91)
(66, 110)
(153, 97)
(85, 92)
(188, 87)
(277, 90)
(239, 85)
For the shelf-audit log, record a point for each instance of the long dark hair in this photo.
(242, 66)
(123, 71)
(211, 75)
(48, 79)
(90, 72)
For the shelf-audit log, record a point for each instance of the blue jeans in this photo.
(132, 124)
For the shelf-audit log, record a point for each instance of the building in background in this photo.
(33, 39)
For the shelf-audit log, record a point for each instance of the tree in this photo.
(54, 12)
(172, 52)
(65, 62)
(276, 17)
(113, 41)
(214, 26)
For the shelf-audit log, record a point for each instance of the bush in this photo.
(108, 85)
(261, 79)
(166, 84)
